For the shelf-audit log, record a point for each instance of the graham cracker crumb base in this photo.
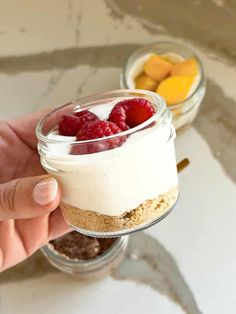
(144, 213)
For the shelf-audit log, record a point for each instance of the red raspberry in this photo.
(131, 112)
(96, 130)
(86, 116)
(69, 124)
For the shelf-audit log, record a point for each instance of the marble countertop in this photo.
(52, 52)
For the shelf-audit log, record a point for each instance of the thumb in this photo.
(28, 197)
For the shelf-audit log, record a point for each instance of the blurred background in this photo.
(55, 51)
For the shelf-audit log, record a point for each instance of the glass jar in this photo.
(183, 112)
(113, 192)
(94, 268)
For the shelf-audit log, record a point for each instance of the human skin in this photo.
(29, 199)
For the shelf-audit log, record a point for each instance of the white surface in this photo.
(74, 297)
(200, 234)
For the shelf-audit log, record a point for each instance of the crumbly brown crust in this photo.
(144, 213)
(80, 247)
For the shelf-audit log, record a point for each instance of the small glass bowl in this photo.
(91, 269)
(183, 112)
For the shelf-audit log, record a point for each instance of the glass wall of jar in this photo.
(112, 190)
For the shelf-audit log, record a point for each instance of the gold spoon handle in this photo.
(182, 164)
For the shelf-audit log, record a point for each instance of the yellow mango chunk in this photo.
(157, 68)
(185, 68)
(175, 88)
(145, 82)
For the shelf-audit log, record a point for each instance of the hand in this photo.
(29, 199)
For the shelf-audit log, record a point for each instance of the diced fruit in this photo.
(185, 68)
(96, 130)
(157, 68)
(69, 124)
(86, 116)
(129, 113)
(175, 88)
(145, 82)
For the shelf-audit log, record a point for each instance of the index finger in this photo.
(25, 127)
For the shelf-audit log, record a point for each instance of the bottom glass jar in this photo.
(88, 269)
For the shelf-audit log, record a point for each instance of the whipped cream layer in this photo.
(116, 181)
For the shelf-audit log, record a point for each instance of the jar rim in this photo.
(158, 99)
(106, 256)
(170, 44)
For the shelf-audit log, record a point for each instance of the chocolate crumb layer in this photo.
(145, 213)
(77, 246)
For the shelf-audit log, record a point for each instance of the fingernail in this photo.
(45, 191)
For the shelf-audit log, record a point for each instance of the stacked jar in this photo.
(184, 111)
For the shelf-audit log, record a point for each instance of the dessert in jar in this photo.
(113, 155)
(173, 72)
(86, 257)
